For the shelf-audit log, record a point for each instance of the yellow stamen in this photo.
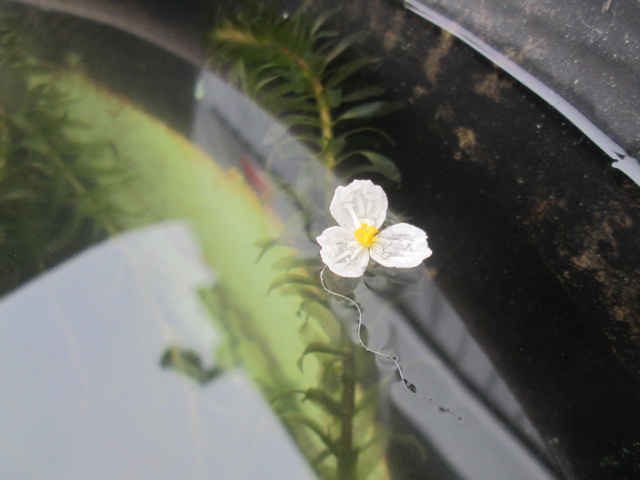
(366, 234)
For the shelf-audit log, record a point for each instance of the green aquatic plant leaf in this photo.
(301, 291)
(314, 426)
(295, 70)
(370, 109)
(317, 347)
(363, 94)
(51, 184)
(321, 457)
(354, 137)
(380, 163)
(355, 172)
(291, 279)
(334, 97)
(295, 261)
(326, 402)
(284, 124)
(266, 244)
(339, 75)
(331, 51)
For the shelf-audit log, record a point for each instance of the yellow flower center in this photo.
(366, 234)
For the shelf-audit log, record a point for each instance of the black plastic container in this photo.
(536, 234)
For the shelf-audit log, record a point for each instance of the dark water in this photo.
(159, 342)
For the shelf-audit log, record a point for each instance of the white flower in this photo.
(360, 209)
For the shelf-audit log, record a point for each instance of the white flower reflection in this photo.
(360, 209)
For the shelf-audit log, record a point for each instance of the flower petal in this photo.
(400, 246)
(342, 253)
(359, 202)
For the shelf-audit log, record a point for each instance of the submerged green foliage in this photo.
(303, 75)
(300, 73)
(50, 184)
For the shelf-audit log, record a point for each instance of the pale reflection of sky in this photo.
(83, 395)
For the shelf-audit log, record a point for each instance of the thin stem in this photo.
(326, 123)
(324, 109)
(408, 385)
(347, 456)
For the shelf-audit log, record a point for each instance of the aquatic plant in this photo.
(51, 184)
(301, 73)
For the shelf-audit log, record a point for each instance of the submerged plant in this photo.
(50, 182)
(301, 73)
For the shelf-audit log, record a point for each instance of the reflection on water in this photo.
(84, 395)
(186, 345)
(411, 318)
